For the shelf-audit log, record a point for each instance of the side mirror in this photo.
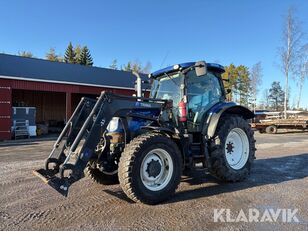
(228, 91)
(200, 68)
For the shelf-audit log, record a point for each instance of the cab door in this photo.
(203, 92)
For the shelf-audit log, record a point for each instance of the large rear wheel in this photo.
(232, 149)
(150, 168)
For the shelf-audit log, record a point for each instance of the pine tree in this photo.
(231, 75)
(239, 83)
(276, 96)
(69, 56)
(85, 57)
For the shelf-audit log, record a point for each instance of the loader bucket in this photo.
(48, 177)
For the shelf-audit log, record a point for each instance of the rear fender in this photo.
(221, 109)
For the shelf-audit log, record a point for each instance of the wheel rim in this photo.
(237, 148)
(156, 169)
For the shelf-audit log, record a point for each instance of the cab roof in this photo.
(210, 66)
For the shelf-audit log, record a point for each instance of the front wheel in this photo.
(232, 150)
(150, 168)
(101, 177)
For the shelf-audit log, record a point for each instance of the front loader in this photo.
(146, 143)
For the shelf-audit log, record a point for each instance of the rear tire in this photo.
(232, 150)
(150, 168)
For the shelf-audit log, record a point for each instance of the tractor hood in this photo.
(210, 66)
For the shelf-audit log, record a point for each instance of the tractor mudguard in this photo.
(169, 131)
(220, 109)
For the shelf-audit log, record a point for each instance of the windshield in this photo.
(167, 87)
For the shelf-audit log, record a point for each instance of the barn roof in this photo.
(33, 69)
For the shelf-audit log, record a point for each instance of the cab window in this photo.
(203, 92)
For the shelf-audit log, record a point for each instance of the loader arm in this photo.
(83, 132)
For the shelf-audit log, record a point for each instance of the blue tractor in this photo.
(146, 143)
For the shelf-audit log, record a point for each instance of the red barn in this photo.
(54, 88)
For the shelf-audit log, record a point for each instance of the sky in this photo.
(163, 32)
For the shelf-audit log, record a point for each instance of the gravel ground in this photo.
(278, 180)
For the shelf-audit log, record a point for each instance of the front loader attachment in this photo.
(60, 167)
(49, 177)
(77, 142)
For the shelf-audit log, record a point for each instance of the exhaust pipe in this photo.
(138, 83)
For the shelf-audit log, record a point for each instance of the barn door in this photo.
(5, 112)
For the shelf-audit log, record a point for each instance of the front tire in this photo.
(150, 168)
(100, 177)
(232, 149)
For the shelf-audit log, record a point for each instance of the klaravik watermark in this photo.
(256, 215)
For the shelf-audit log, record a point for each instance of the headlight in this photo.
(114, 124)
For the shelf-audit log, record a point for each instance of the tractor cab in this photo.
(196, 85)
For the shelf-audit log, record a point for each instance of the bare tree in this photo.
(147, 68)
(265, 99)
(255, 82)
(301, 71)
(25, 54)
(291, 37)
(137, 67)
(114, 64)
